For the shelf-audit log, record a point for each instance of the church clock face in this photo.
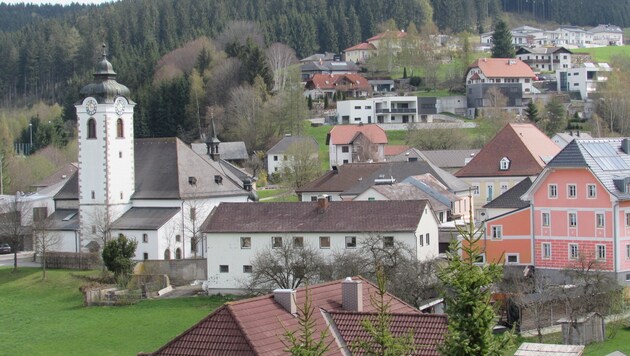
(119, 106)
(90, 107)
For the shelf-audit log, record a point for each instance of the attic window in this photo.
(192, 180)
(504, 164)
(218, 179)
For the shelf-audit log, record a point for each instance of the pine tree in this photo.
(310, 102)
(502, 41)
(302, 341)
(325, 101)
(555, 120)
(467, 296)
(532, 112)
(381, 341)
(405, 73)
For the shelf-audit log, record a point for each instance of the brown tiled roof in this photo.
(361, 46)
(393, 34)
(345, 134)
(503, 68)
(427, 329)
(393, 150)
(346, 176)
(341, 81)
(524, 145)
(339, 216)
(256, 326)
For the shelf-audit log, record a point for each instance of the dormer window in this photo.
(504, 164)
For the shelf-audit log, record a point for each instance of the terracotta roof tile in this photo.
(361, 46)
(524, 145)
(428, 329)
(503, 68)
(339, 216)
(393, 150)
(256, 326)
(338, 81)
(393, 34)
(345, 134)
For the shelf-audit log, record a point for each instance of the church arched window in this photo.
(178, 254)
(120, 129)
(167, 254)
(91, 126)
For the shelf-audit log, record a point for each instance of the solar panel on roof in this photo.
(605, 156)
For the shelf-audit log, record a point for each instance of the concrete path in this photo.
(25, 259)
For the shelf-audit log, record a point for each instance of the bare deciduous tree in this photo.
(287, 265)
(238, 32)
(301, 165)
(12, 228)
(44, 240)
(280, 57)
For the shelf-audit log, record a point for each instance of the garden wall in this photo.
(180, 272)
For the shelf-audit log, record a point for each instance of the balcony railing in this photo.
(396, 111)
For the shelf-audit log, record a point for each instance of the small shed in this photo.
(534, 349)
(587, 329)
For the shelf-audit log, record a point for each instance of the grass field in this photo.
(604, 54)
(47, 318)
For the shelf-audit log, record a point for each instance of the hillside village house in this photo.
(578, 207)
(567, 36)
(280, 153)
(236, 232)
(509, 76)
(256, 326)
(583, 79)
(607, 35)
(156, 191)
(350, 85)
(359, 53)
(516, 152)
(545, 59)
(327, 66)
(356, 143)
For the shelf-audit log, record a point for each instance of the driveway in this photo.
(25, 259)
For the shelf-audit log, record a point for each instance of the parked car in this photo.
(5, 248)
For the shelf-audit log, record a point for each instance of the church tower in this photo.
(106, 151)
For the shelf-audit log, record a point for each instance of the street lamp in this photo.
(30, 129)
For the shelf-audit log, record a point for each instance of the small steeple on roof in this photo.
(105, 88)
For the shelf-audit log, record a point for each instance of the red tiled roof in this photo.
(361, 47)
(348, 216)
(257, 325)
(393, 150)
(334, 81)
(428, 329)
(503, 68)
(394, 34)
(345, 134)
(524, 145)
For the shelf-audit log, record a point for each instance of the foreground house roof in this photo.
(524, 145)
(337, 216)
(511, 199)
(256, 326)
(138, 218)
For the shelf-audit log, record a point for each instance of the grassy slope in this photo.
(604, 54)
(47, 317)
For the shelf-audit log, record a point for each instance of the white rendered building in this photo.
(382, 110)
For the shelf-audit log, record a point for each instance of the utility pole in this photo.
(1, 177)
(30, 129)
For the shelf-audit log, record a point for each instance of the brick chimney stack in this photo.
(352, 295)
(322, 203)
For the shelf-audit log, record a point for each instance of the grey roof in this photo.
(60, 175)
(605, 28)
(318, 56)
(163, 167)
(449, 158)
(287, 141)
(380, 81)
(63, 220)
(534, 349)
(604, 157)
(431, 186)
(144, 218)
(230, 151)
(511, 199)
(329, 66)
(542, 50)
(569, 136)
(407, 191)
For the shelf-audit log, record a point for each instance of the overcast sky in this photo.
(62, 2)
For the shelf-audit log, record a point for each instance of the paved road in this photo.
(25, 259)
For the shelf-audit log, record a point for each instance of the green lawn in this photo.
(47, 317)
(266, 193)
(604, 54)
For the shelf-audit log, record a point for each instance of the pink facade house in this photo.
(579, 209)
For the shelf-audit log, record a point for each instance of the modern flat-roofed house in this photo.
(356, 143)
(607, 35)
(256, 326)
(545, 59)
(583, 79)
(237, 232)
(516, 152)
(510, 76)
(382, 110)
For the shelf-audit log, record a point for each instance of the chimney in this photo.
(286, 298)
(625, 146)
(352, 295)
(322, 203)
